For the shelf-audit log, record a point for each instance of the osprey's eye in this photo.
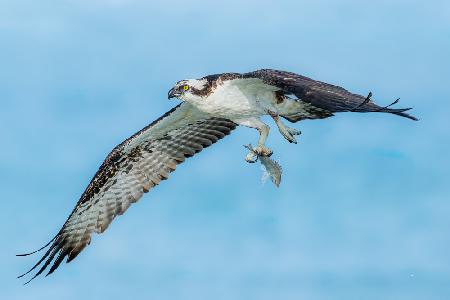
(185, 87)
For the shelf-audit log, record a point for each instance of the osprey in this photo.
(211, 108)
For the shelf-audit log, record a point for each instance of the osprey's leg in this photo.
(287, 132)
(261, 149)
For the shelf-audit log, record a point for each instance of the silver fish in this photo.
(272, 167)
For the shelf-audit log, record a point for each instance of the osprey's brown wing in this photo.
(131, 169)
(322, 95)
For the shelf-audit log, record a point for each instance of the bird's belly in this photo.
(233, 104)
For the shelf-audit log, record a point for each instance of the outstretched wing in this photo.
(322, 95)
(131, 169)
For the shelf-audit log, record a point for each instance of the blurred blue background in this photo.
(363, 208)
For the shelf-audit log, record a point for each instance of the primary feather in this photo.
(131, 169)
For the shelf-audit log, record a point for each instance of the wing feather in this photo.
(130, 170)
(325, 96)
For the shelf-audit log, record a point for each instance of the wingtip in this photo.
(408, 116)
(28, 272)
(414, 119)
(26, 254)
(26, 283)
(40, 249)
(401, 112)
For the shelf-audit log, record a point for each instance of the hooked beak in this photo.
(173, 93)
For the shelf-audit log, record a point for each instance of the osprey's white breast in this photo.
(238, 98)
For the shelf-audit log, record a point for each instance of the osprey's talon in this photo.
(288, 133)
(293, 131)
(262, 150)
(251, 157)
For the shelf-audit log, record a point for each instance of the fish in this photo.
(272, 168)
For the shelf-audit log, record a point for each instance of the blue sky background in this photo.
(363, 208)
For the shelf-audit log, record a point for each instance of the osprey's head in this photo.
(190, 90)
